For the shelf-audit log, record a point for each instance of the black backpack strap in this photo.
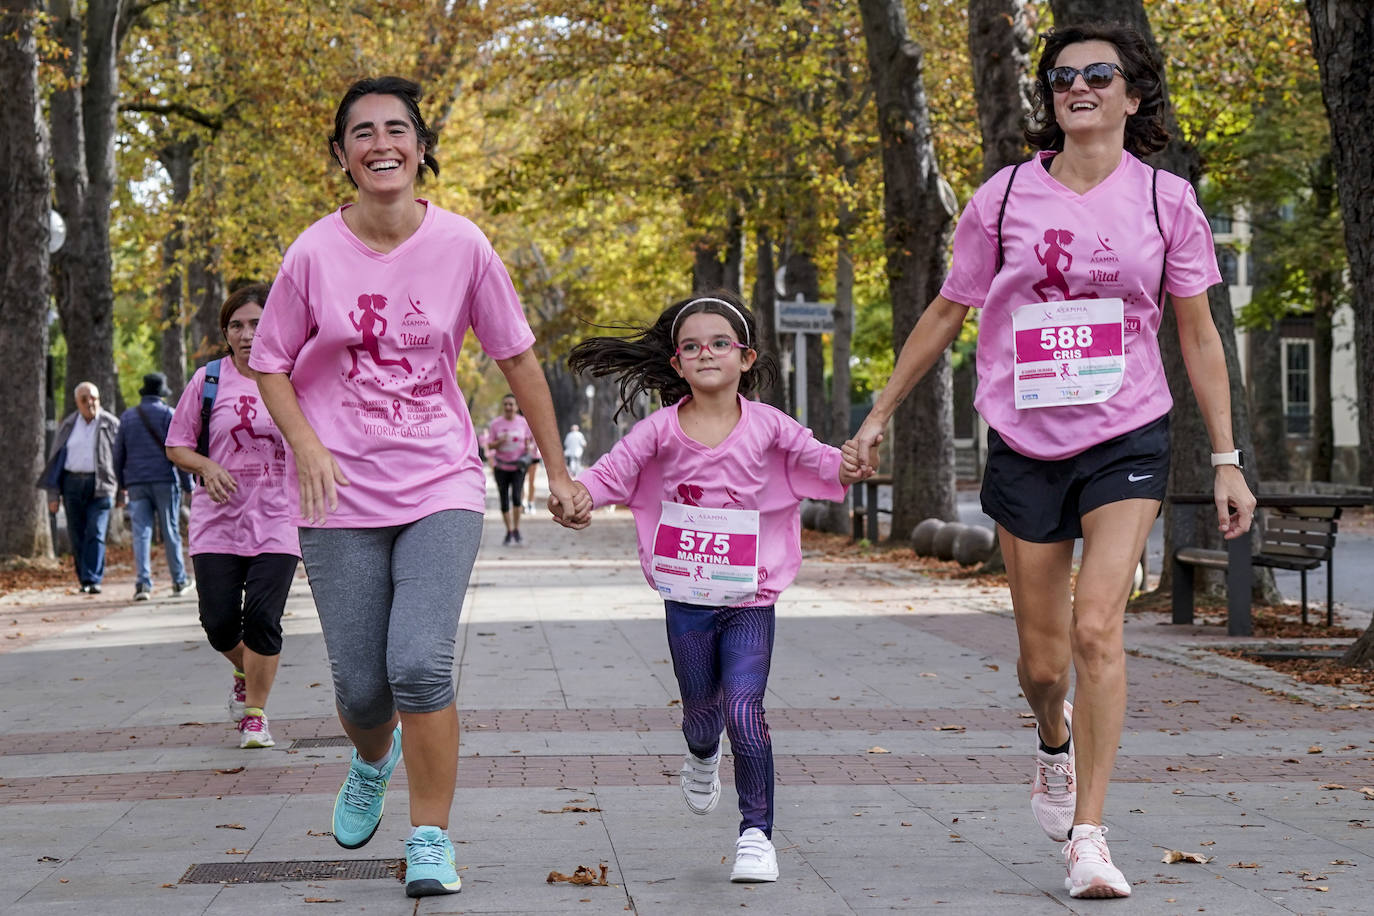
(1154, 202)
(159, 438)
(207, 404)
(1002, 213)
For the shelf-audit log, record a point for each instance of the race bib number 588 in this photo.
(1068, 352)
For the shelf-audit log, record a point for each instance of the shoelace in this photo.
(360, 789)
(426, 852)
(252, 724)
(1058, 778)
(1090, 848)
(240, 689)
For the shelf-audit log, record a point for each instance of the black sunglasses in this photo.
(1096, 76)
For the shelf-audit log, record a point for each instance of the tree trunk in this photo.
(206, 290)
(25, 196)
(916, 228)
(177, 158)
(801, 278)
(1190, 468)
(999, 42)
(1342, 33)
(1323, 345)
(718, 263)
(83, 122)
(1265, 345)
(764, 306)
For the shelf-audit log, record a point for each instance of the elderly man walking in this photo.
(80, 472)
(154, 485)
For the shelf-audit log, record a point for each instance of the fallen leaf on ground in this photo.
(1308, 876)
(949, 728)
(1173, 855)
(1315, 749)
(323, 900)
(875, 749)
(1341, 862)
(236, 852)
(1243, 865)
(309, 832)
(1025, 715)
(583, 875)
(574, 809)
(1367, 791)
(1333, 785)
(231, 771)
(674, 702)
(230, 827)
(1208, 843)
(992, 667)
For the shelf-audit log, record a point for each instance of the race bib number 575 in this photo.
(706, 556)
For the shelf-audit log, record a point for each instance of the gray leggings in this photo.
(389, 600)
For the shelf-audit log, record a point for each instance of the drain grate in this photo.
(270, 872)
(326, 741)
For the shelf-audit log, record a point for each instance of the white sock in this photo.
(1086, 828)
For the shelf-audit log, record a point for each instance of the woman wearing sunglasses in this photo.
(1069, 256)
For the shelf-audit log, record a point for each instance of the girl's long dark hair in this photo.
(639, 362)
(1145, 132)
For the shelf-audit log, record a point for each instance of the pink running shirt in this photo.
(1061, 245)
(246, 443)
(518, 440)
(371, 342)
(769, 462)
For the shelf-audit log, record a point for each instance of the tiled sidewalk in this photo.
(902, 752)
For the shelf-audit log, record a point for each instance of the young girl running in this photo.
(714, 482)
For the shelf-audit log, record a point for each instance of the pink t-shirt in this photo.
(1059, 245)
(509, 439)
(769, 462)
(371, 342)
(246, 443)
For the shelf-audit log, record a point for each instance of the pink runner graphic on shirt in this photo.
(247, 413)
(1056, 248)
(367, 325)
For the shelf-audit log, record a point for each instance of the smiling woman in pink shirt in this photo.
(356, 353)
(1068, 257)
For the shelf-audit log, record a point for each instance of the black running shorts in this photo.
(1045, 501)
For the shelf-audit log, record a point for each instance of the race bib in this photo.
(1069, 352)
(706, 556)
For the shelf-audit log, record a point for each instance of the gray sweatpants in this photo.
(388, 600)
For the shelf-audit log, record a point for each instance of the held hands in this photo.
(851, 471)
(862, 450)
(1235, 503)
(219, 483)
(571, 505)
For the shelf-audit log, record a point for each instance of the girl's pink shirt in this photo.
(519, 440)
(769, 462)
(371, 341)
(1117, 252)
(246, 443)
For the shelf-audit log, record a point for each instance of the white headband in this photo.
(683, 311)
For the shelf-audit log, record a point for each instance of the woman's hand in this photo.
(863, 448)
(318, 475)
(851, 465)
(1235, 503)
(219, 483)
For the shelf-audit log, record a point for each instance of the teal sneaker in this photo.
(358, 806)
(429, 864)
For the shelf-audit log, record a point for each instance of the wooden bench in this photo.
(1294, 536)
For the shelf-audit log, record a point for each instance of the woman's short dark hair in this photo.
(255, 293)
(1145, 131)
(409, 94)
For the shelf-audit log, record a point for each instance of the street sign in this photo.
(798, 317)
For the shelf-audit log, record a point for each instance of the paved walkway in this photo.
(902, 761)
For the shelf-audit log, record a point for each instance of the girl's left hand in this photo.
(571, 505)
(1235, 503)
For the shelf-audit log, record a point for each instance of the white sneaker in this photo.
(1091, 872)
(1055, 789)
(253, 731)
(238, 698)
(755, 858)
(700, 780)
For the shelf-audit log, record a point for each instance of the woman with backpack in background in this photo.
(244, 546)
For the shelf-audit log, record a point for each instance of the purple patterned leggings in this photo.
(721, 657)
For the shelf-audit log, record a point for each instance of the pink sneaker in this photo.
(1091, 872)
(253, 730)
(1055, 789)
(238, 698)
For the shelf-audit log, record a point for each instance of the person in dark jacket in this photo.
(80, 473)
(154, 485)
